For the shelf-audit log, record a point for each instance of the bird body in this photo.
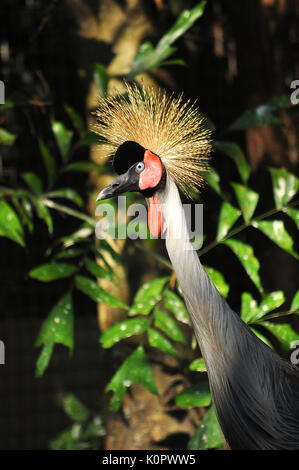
(254, 391)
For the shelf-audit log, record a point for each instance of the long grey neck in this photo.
(212, 318)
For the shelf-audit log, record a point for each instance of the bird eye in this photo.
(139, 167)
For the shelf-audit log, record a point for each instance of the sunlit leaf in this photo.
(249, 307)
(285, 185)
(295, 302)
(135, 369)
(124, 329)
(97, 293)
(176, 306)
(43, 213)
(57, 328)
(75, 409)
(227, 217)
(198, 365)
(33, 181)
(293, 213)
(6, 138)
(52, 271)
(148, 296)
(284, 333)
(247, 200)
(68, 254)
(167, 324)
(67, 193)
(157, 340)
(271, 302)
(197, 395)
(236, 154)
(101, 78)
(97, 270)
(275, 230)
(246, 256)
(48, 159)
(63, 137)
(251, 312)
(10, 225)
(208, 435)
(218, 279)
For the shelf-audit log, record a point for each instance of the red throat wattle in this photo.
(154, 216)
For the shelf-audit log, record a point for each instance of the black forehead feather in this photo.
(126, 155)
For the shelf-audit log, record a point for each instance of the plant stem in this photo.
(69, 211)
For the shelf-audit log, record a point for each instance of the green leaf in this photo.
(90, 138)
(75, 409)
(148, 296)
(77, 121)
(197, 395)
(135, 369)
(176, 306)
(246, 257)
(63, 138)
(261, 337)
(276, 231)
(43, 213)
(83, 166)
(227, 217)
(247, 200)
(285, 185)
(260, 116)
(124, 329)
(213, 179)
(271, 302)
(52, 271)
(198, 365)
(10, 225)
(148, 57)
(101, 78)
(218, 279)
(6, 138)
(71, 253)
(208, 435)
(67, 193)
(169, 326)
(33, 182)
(96, 270)
(48, 159)
(293, 213)
(57, 328)
(97, 293)
(232, 150)
(157, 340)
(249, 307)
(295, 302)
(284, 333)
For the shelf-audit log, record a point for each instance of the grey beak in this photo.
(123, 183)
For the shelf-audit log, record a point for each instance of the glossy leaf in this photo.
(176, 306)
(148, 296)
(247, 200)
(75, 409)
(97, 270)
(218, 279)
(69, 254)
(284, 333)
(48, 159)
(101, 78)
(227, 217)
(271, 302)
(249, 307)
(295, 302)
(197, 395)
(33, 182)
(285, 185)
(97, 293)
(198, 365)
(246, 257)
(293, 213)
(275, 230)
(6, 138)
(124, 329)
(10, 225)
(43, 213)
(135, 369)
(67, 193)
(167, 324)
(63, 137)
(52, 271)
(208, 435)
(57, 328)
(236, 154)
(157, 340)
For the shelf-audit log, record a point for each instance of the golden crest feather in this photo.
(166, 125)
